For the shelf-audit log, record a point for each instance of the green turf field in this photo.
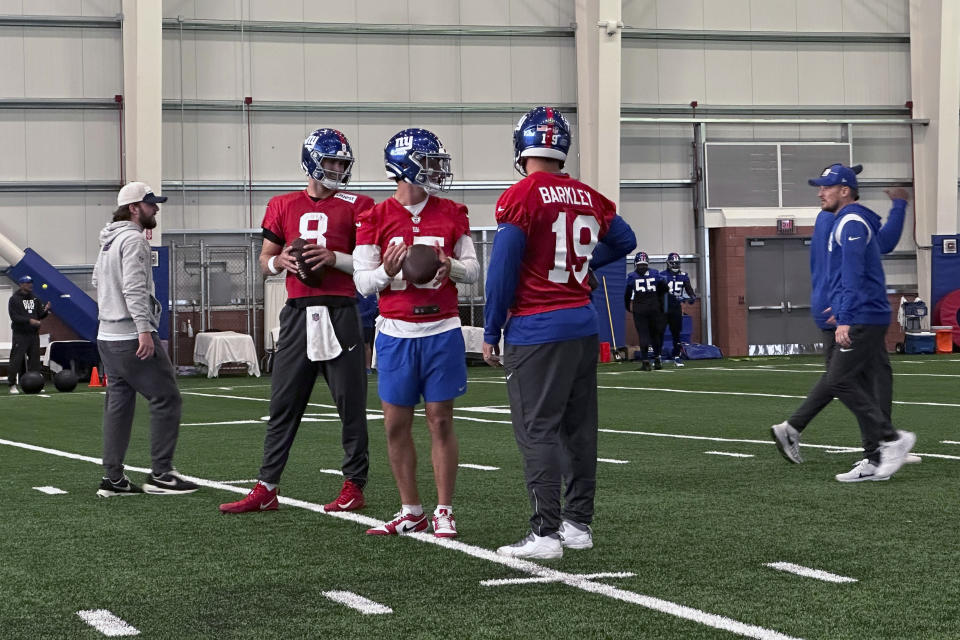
(689, 533)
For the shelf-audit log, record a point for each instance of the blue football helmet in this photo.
(542, 132)
(641, 258)
(322, 144)
(673, 262)
(417, 156)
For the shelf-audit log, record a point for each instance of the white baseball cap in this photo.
(138, 192)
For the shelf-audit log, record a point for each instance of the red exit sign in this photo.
(786, 225)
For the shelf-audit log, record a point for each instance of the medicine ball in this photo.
(65, 380)
(31, 382)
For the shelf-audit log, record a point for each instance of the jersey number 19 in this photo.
(581, 226)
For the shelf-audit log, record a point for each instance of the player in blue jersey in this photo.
(679, 291)
(644, 296)
(787, 434)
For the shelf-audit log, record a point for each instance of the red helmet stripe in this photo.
(548, 139)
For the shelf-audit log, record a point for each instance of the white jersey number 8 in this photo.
(563, 268)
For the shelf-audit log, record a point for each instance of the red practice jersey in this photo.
(441, 222)
(329, 223)
(563, 219)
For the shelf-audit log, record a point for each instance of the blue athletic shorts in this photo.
(434, 367)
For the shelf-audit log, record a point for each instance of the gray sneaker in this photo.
(575, 536)
(787, 440)
(894, 453)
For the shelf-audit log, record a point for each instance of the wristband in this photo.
(271, 266)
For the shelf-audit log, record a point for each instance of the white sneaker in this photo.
(677, 361)
(534, 547)
(861, 472)
(13, 389)
(787, 439)
(573, 537)
(894, 453)
(444, 526)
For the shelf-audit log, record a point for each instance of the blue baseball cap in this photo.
(24, 279)
(837, 174)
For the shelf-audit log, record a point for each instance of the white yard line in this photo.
(830, 447)
(219, 424)
(807, 572)
(239, 481)
(728, 453)
(505, 410)
(764, 370)
(523, 566)
(51, 491)
(950, 442)
(479, 467)
(586, 576)
(107, 623)
(613, 461)
(358, 602)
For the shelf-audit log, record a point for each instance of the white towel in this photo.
(322, 343)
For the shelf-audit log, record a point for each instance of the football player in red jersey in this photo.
(551, 229)
(419, 345)
(319, 326)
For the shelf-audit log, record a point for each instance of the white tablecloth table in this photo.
(215, 348)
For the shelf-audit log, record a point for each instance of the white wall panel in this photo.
(330, 11)
(819, 74)
(374, 131)
(102, 63)
(12, 81)
(54, 145)
(13, 219)
(866, 74)
(774, 75)
(777, 15)
(183, 8)
(277, 67)
(488, 147)
(101, 145)
(383, 70)
(13, 134)
(485, 70)
(179, 70)
(55, 223)
(330, 68)
(106, 8)
(529, 83)
(277, 141)
(732, 15)
(11, 7)
(54, 8)
(640, 152)
(279, 10)
(729, 75)
(640, 75)
(221, 147)
(681, 72)
(219, 9)
(481, 205)
(435, 70)
(433, 12)
(680, 14)
(676, 159)
(819, 15)
(97, 211)
(488, 12)
(379, 12)
(219, 62)
(53, 63)
(541, 12)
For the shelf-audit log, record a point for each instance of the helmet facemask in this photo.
(331, 178)
(433, 173)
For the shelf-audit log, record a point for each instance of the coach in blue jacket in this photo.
(858, 301)
(787, 433)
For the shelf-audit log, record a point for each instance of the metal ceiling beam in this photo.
(801, 120)
(830, 37)
(356, 107)
(58, 103)
(287, 27)
(61, 22)
(707, 110)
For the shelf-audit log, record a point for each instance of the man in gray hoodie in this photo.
(133, 358)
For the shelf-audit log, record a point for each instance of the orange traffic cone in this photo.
(95, 379)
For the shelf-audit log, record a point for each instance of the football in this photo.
(421, 264)
(306, 275)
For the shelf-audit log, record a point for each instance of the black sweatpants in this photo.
(553, 406)
(675, 321)
(648, 318)
(24, 347)
(294, 375)
(859, 376)
(822, 394)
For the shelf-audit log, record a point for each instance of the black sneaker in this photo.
(645, 365)
(169, 483)
(657, 364)
(123, 487)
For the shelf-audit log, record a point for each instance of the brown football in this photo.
(421, 264)
(306, 275)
